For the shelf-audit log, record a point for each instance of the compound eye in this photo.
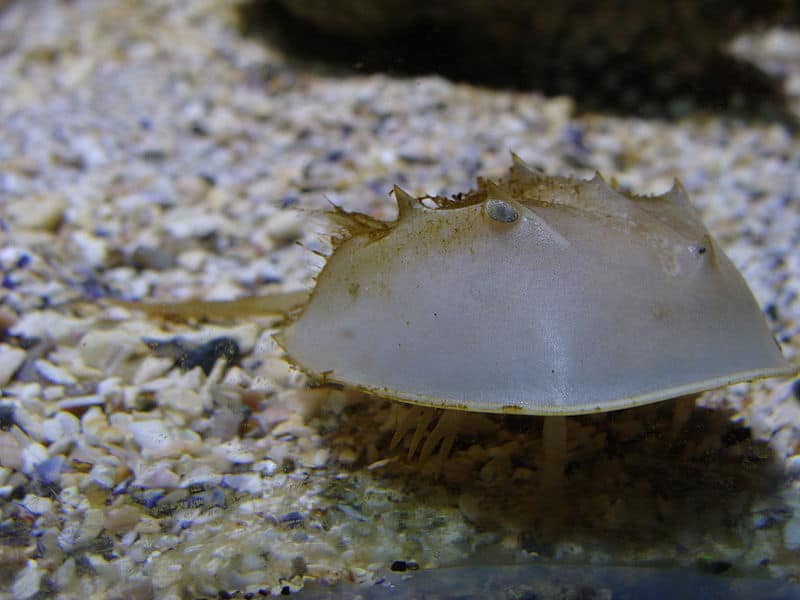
(501, 211)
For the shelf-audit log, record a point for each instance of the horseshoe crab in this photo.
(530, 295)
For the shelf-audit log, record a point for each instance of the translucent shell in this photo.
(532, 295)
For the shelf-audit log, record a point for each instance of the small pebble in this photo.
(48, 471)
(93, 250)
(235, 452)
(157, 476)
(10, 451)
(37, 505)
(791, 534)
(402, 566)
(32, 455)
(42, 214)
(107, 350)
(11, 360)
(152, 257)
(49, 325)
(249, 483)
(151, 435)
(7, 320)
(27, 581)
(78, 404)
(54, 373)
(122, 519)
(285, 226)
(266, 467)
(292, 519)
(793, 465)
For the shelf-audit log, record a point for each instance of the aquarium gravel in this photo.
(149, 150)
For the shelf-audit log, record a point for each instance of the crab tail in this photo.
(280, 304)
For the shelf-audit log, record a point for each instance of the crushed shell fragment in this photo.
(528, 295)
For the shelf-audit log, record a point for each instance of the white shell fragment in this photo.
(532, 295)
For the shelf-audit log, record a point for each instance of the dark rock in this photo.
(205, 356)
(6, 417)
(651, 57)
(292, 519)
(48, 472)
(402, 565)
(15, 533)
(152, 257)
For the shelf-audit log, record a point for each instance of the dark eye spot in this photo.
(501, 211)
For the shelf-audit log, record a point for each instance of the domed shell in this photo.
(532, 295)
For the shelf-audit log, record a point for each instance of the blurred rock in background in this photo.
(655, 58)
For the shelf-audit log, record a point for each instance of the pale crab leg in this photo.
(683, 407)
(554, 442)
(424, 419)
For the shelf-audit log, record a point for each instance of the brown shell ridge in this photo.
(531, 187)
(406, 203)
(522, 177)
(351, 224)
(671, 210)
(354, 223)
(668, 216)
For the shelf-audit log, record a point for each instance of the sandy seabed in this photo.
(150, 151)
